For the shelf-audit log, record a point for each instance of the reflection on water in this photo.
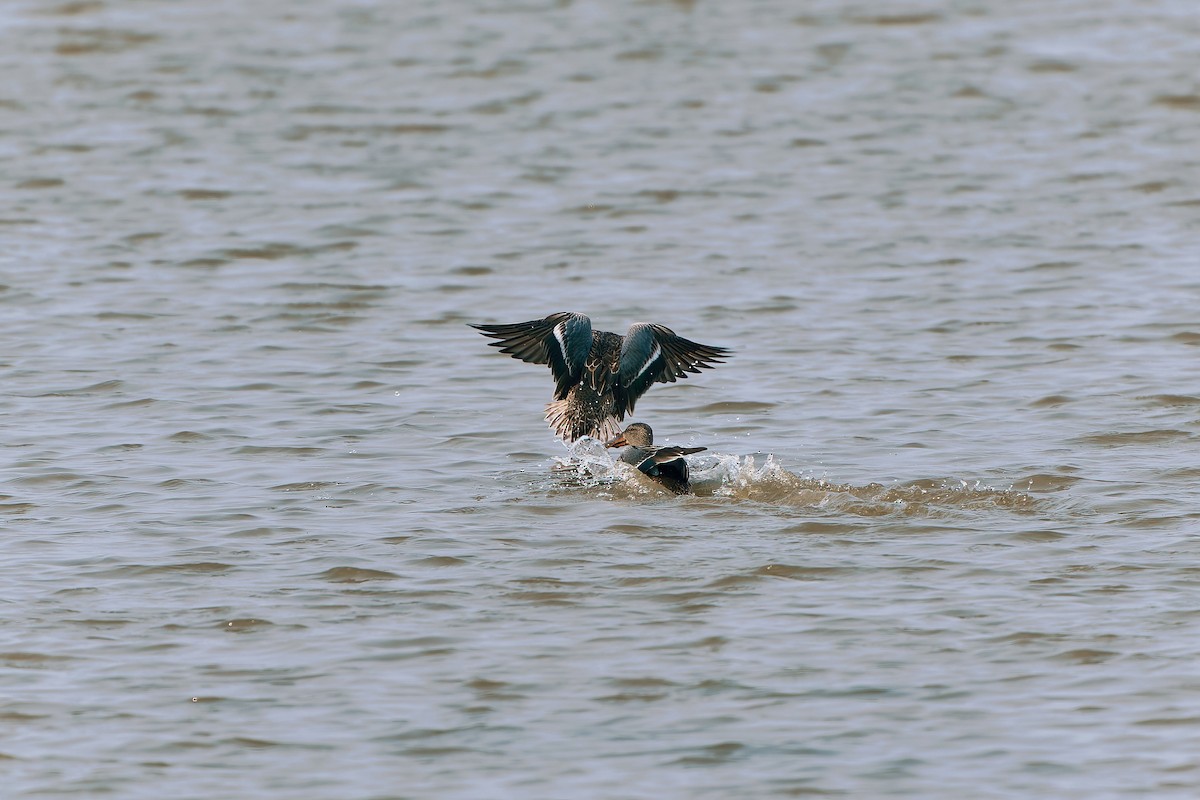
(275, 520)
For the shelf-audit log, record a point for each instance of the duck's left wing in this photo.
(561, 340)
(653, 353)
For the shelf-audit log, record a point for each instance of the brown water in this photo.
(279, 525)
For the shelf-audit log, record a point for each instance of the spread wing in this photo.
(653, 353)
(561, 340)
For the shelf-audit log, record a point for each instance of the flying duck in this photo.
(663, 464)
(598, 375)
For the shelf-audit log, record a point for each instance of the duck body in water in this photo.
(599, 375)
(665, 465)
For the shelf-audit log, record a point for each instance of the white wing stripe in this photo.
(654, 354)
(559, 330)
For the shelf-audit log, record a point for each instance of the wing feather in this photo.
(654, 354)
(561, 340)
(672, 452)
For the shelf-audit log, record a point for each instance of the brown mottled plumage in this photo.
(599, 375)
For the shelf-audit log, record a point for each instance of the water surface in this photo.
(280, 525)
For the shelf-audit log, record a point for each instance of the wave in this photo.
(761, 478)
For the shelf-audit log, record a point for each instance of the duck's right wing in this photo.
(562, 340)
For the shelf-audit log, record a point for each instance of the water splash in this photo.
(768, 481)
(763, 479)
(587, 463)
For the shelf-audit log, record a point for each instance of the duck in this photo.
(665, 465)
(599, 375)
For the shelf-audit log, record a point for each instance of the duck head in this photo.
(636, 435)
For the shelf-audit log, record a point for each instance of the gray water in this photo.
(278, 524)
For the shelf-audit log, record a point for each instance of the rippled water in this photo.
(279, 524)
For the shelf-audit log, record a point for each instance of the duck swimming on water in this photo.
(663, 464)
(599, 375)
